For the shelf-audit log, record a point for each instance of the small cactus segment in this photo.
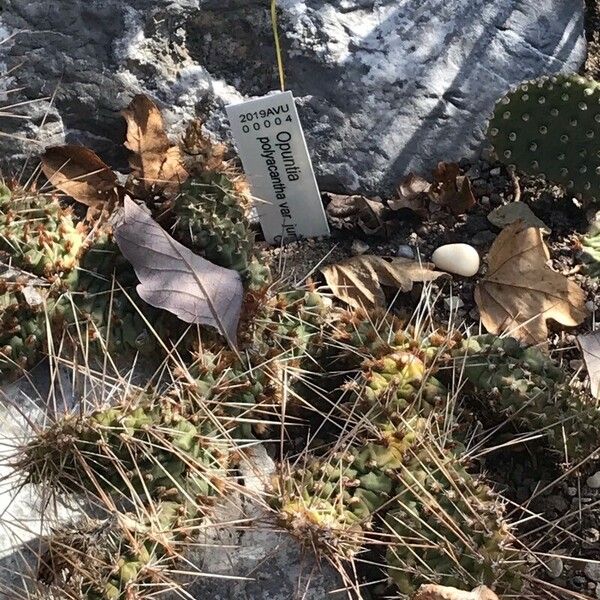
(105, 305)
(114, 559)
(37, 234)
(22, 329)
(149, 448)
(211, 219)
(447, 528)
(551, 127)
(523, 383)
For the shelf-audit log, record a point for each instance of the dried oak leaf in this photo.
(451, 189)
(520, 292)
(349, 212)
(438, 592)
(155, 162)
(590, 350)
(412, 193)
(358, 281)
(80, 173)
(173, 278)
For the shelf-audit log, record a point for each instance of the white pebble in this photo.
(461, 259)
(594, 481)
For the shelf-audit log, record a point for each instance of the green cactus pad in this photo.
(150, 448)
(551, 127)
(447, 528)
(114, 559)
(211, 220)
(524, 384)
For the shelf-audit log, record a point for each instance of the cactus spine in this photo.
(551, 127)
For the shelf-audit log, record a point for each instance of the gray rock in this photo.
(593, 481)
(592, 571)
(383, 87)
(405, 251)
(555, 567)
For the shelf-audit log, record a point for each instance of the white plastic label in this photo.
(271, 145)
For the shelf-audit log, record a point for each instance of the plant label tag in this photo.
(273, 151)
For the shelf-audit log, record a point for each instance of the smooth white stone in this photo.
(461, 259)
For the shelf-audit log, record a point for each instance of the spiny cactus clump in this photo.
(37, 234)
(150, 448)
(336, 503)
(22, 329)
(114, 559)
(551, 127)
(524, 384)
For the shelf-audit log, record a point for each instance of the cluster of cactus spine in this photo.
(163, 458)
(551, 127)
(113, 559)
(524, 384)
(37, 234)
(440, 524)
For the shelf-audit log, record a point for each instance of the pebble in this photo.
(461, 259)
(453, 303)
(495, 172)
(592, 571)
(590, 305)
(359, 247)
(594, 482)
(405, 251)
(555, 567)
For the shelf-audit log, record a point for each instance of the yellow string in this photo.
(277, 44)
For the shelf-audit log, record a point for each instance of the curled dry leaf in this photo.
(155, 162)
(412, 193)
(451, 189)
(78, 172)
(514, 211)
(520, 292)
(349, 212)
(173, 278)
(438, 592)
(590, 349)
(359, 280)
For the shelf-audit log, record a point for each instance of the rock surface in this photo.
(384, 87)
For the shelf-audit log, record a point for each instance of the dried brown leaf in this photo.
(438, 592)
(359, 280)
(590, 349)
(412, 193)
(451, 189)
(78, 172)
(173, 278)
(155, 162)
(349, 212)
(520, 292)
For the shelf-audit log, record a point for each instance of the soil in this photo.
(567, 530)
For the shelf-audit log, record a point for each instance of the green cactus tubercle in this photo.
(552, 127)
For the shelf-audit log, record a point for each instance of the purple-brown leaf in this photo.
(173, 278)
